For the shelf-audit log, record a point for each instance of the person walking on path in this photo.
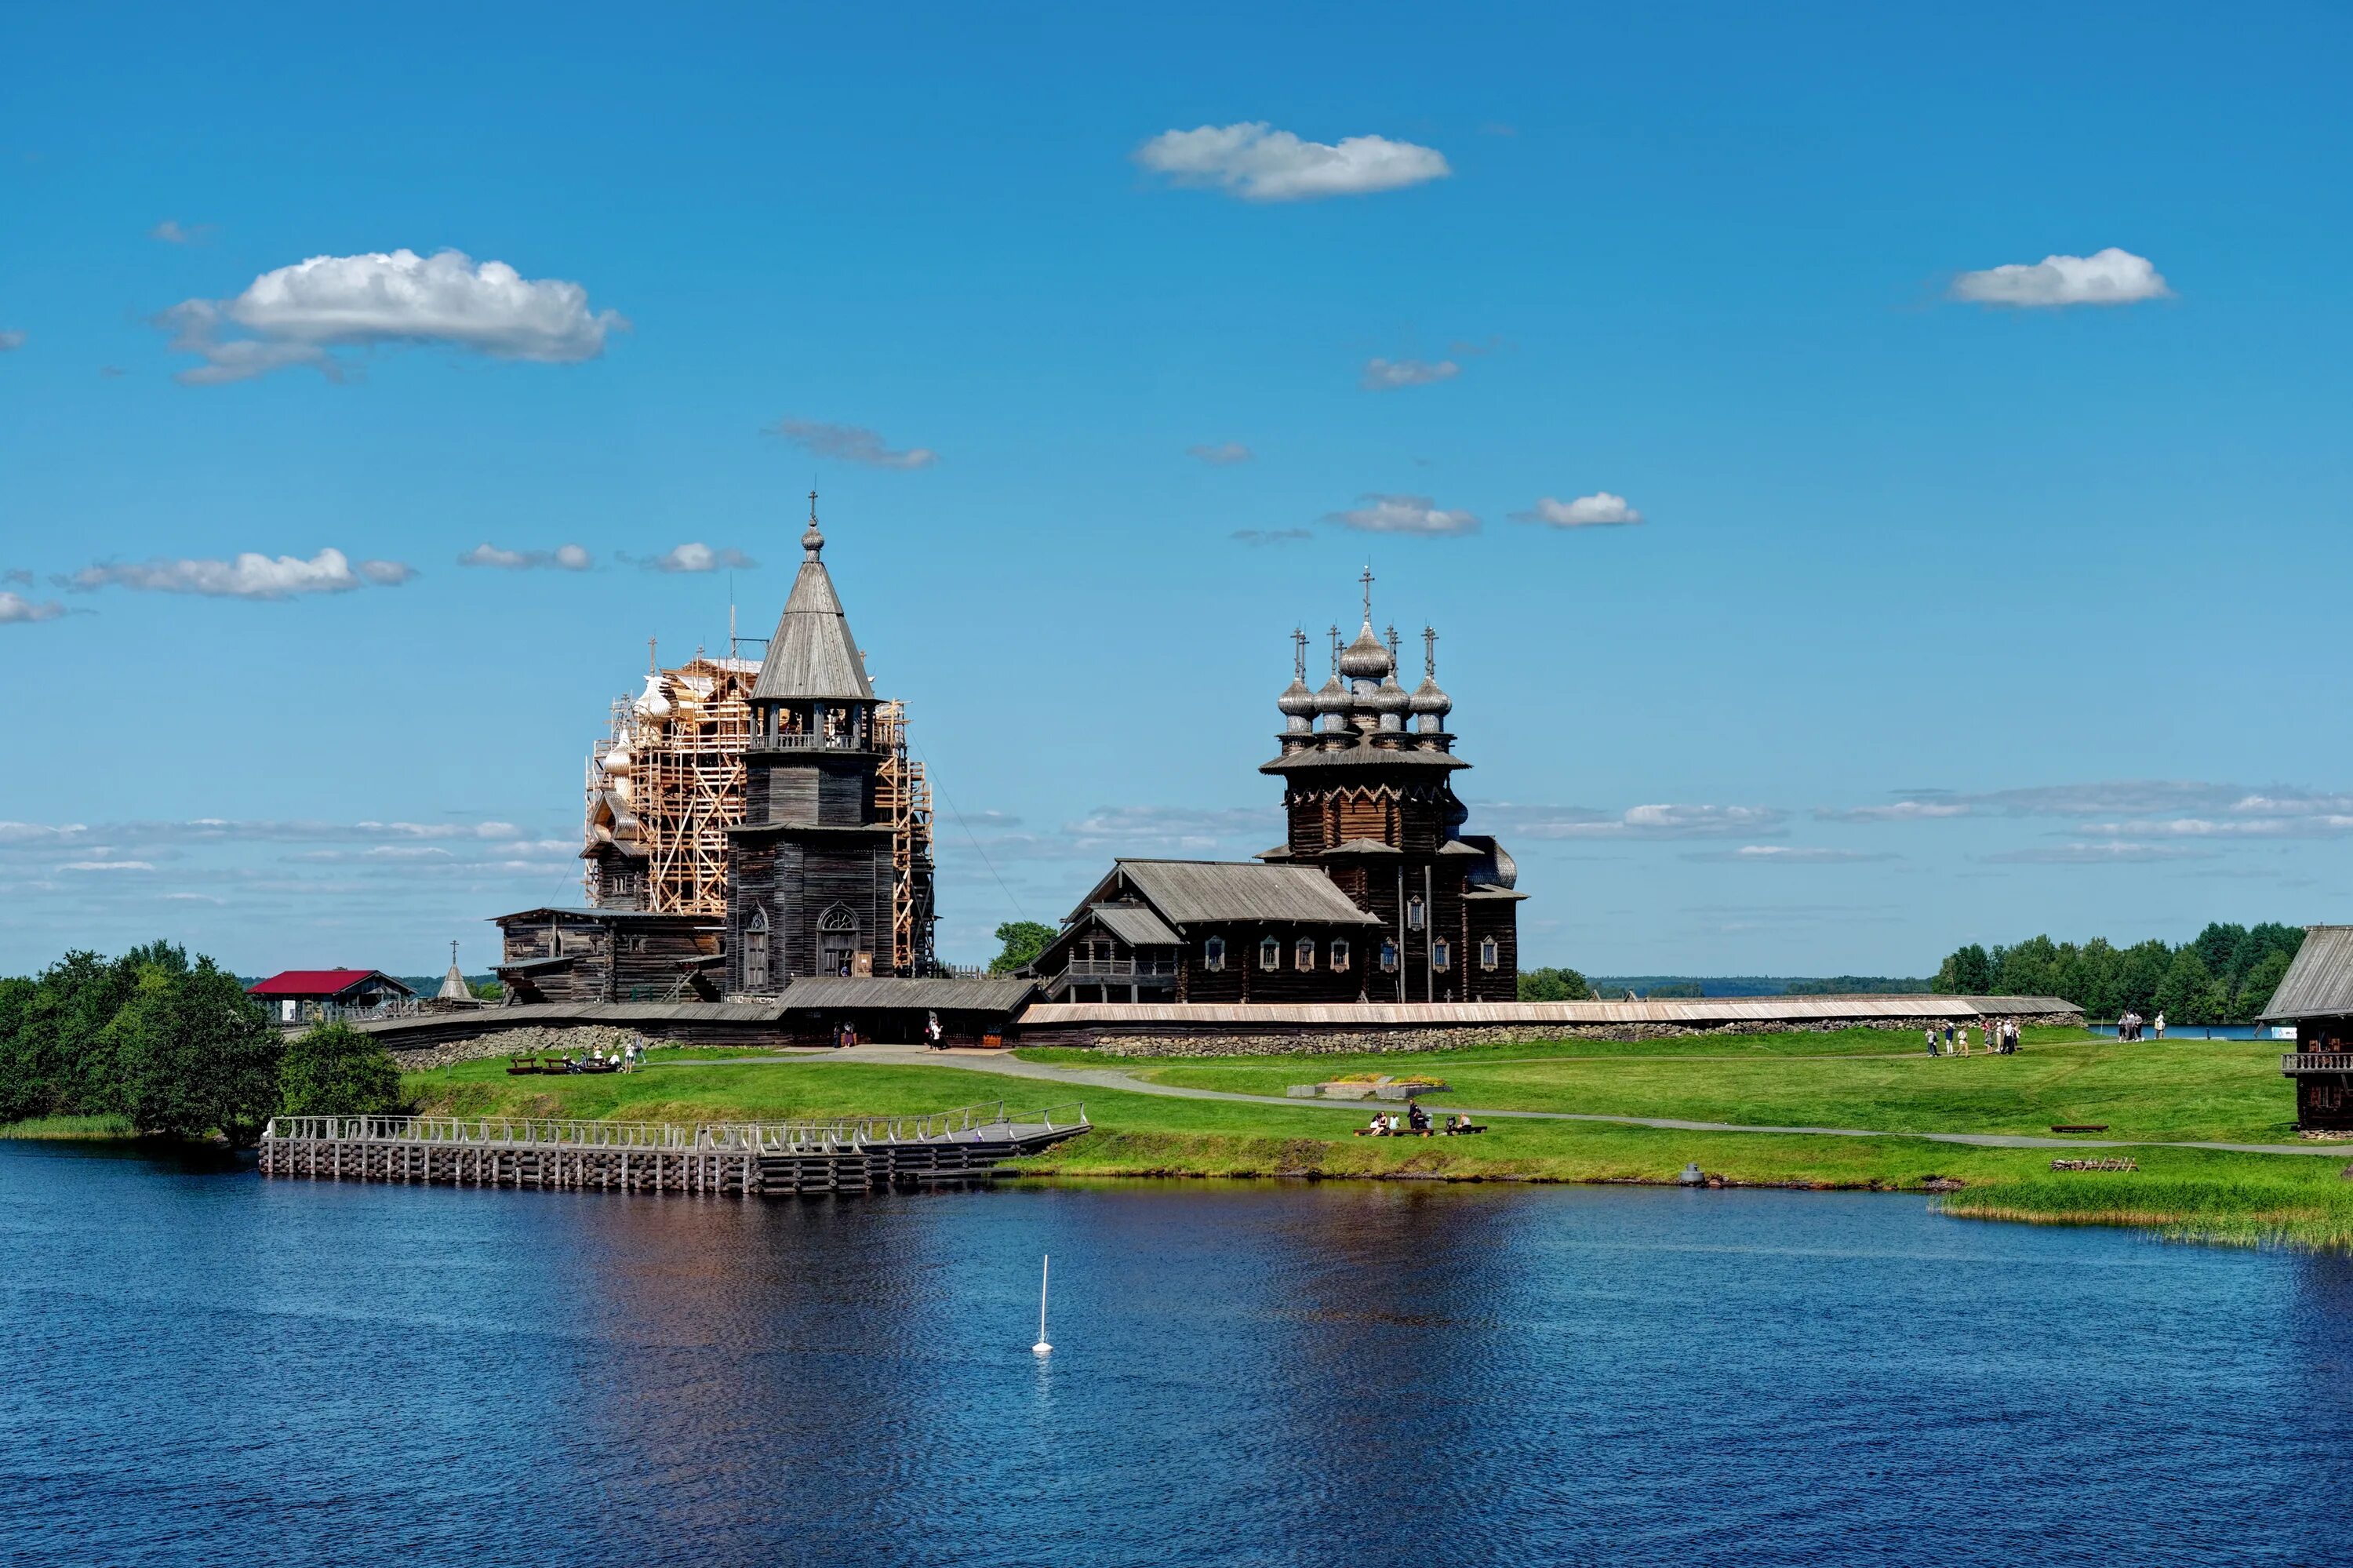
(1931, 1032)
(2160, 1024)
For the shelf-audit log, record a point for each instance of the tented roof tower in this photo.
(812, 655)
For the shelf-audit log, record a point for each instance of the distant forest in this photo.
(1670, 986)
(2226, 974)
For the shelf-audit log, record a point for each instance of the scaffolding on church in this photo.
(665, 785)
(902, 798)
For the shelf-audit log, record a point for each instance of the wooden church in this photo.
(1375, 894)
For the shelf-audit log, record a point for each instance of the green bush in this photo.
(334, 1070)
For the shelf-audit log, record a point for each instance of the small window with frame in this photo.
(1213, 953)
(1440, 954)
(1339, 952)
(1491, 953)
(1269, 953)
(1303, 953)
(1415, 915)
(1389, 956)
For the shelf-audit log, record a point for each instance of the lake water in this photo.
(205, 1367)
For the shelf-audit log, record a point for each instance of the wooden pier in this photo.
(738, 1159)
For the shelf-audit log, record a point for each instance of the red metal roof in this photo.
(312, 982)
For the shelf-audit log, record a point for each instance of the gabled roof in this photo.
(321, 983)
(2319, 981)
(812, 654)
(1136, 926)
(1198, 892)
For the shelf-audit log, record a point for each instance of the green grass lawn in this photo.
(68, 1126)
(2219, 1090)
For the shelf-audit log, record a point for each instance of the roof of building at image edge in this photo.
(2320, 979)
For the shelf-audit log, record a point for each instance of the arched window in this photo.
(1389, 955)
(756, 951)
(836, 941)
(1213, 953)
(1269, 954)
(1491, 953)
(1339, 952)
(1440, 954)
(1304, 954)
(1414, 913)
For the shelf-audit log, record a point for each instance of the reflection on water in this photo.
(205, 1366)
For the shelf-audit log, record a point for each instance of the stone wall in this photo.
(1455, 1039)
(577, 1041)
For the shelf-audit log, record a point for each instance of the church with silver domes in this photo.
(1376, 893)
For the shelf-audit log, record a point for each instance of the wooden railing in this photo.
(976, 1122)
(805, 741)
(2296, 1061)
(1120, 969)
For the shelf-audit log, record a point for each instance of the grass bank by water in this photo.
(2227, 1091)
(68, 1126)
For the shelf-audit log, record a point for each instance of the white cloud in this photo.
(700, 557)
(1388, 374)
(1258, 163)
(16, 609)
(1660, 821)
(850, 443)
(2096, 854)
(1272, 535)
(106, 866)
(1403, 514)
(2110, 277)
(248, 575)
(11, 340)
(1224, 454)
(171, 231)
(1898, 812)
(298, 314)
(1598, 510)
(564, 557)
(1787, 854)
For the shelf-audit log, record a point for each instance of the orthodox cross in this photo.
(453, 955)
(812, 507)
(1393, 646)
(1299, 654)
(1335, 648)
(1429, 651)
(1368, 581)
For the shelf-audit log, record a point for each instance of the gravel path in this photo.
(1004, 1063)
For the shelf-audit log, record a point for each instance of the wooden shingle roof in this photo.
(1200, 892)
(2319, 981)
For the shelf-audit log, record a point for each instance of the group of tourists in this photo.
(1996, 1037)
(1417, 1123)
(2130, 1025)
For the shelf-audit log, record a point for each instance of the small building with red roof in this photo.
(304, 996)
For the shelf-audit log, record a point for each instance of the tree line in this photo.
(2226, 974)
(175, 1047)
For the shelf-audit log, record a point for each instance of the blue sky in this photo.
(1960, 607)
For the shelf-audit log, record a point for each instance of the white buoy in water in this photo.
(1041, 1348)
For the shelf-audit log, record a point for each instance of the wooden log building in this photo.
(2315, 996)
(1375, 894)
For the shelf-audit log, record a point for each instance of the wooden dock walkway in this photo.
(855, 1154)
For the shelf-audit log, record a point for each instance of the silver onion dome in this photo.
(1332, 698)
(1368, 658)
(1389, 697)
(1297, 700)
